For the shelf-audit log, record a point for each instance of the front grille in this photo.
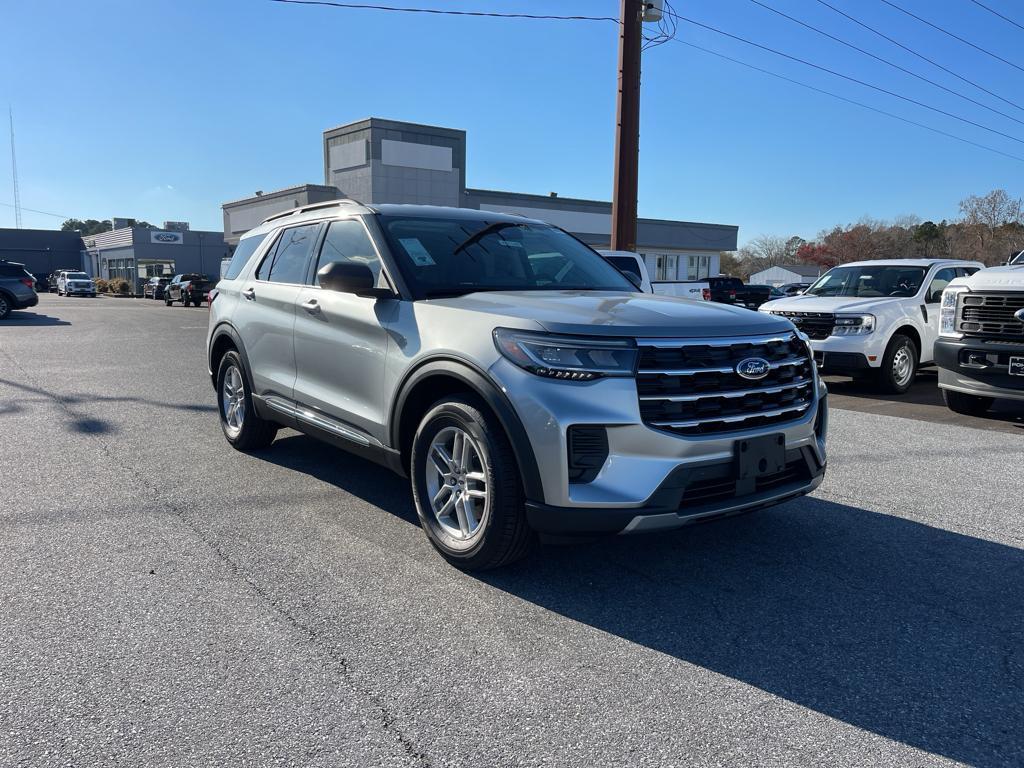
(817, 325)
(692, 388)
(991, 315)
(717, 489)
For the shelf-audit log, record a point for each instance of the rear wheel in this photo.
(242, 427)
(968, 405)
(899, 365)
(167, 300)
(466, 487)
(5, 307)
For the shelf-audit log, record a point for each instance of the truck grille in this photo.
(817, 325)
(991, 315)
(692, 388)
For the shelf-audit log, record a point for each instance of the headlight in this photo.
(947, 311)
(853, 325)
(567, 357)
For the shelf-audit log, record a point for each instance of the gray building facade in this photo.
(42, 251)
(388, 161)
(138, 253)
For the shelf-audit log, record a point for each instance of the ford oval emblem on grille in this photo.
(753, 368)
(1019, 314)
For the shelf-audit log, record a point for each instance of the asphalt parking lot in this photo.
(165, 600)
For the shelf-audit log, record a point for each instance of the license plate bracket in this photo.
(1017, 366)
(759, 456)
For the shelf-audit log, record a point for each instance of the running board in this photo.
(321, 421)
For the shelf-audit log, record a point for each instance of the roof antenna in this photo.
(14, 171)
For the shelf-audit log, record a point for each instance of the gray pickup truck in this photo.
(519, 381)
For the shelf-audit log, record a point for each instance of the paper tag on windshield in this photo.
(420, 256)
(511, 244)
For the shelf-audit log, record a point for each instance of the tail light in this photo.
(28, 282)
(732, 294)
(705, 293)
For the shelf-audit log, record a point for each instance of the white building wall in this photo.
(776, 276)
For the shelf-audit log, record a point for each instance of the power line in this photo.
(850, 78)
(442, 12)
(954, 36)
(919, 55)
(886, 61)
(33, 210)
(851, 101)
(997, 13)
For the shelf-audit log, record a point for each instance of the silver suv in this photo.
(522, 383)
(17, 288)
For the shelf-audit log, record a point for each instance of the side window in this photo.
(291, 255)
(246, 248)
(939, 282)
(347, 240)
(263, 271)
(968, 271)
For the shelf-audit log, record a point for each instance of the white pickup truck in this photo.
(632, 265)
(874, 319)
(980, 349)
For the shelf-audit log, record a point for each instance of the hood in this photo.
(828, 303)
(1009, 278)
(611, 313)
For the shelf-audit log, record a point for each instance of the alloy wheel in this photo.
(232, 398)
(456, 480)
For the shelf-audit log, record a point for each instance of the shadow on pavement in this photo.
(908, 631)
(20, 317)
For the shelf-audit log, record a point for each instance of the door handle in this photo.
(249, 293)
(311, 306)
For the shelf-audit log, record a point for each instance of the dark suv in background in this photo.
(17, 288)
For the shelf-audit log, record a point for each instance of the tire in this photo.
(5, 307)
(501, 534)
(245, 431)
(899, 365)
(167, 300)
(968, 405)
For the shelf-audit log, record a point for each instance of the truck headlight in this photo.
(567, 357)
(853, 325)
(947, 311)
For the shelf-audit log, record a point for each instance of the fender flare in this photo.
(220, 331)
(482, 386)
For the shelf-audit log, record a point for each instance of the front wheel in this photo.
(242, 427)
(899, 365)
(466, 487)
(968, 405)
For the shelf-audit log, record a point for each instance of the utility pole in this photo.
(14, 172)
(627, 127)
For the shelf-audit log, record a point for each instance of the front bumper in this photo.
(979, 367)
(646, 469)
(849, 354)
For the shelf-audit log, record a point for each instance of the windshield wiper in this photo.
(489, 229)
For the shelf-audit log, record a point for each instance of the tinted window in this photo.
(625, 265)
(462, 255)
(290, 257)
(347, 241)
(11, 270)
(246, 247)
(939, 283)
(77, 276)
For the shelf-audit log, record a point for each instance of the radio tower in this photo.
(14, 172)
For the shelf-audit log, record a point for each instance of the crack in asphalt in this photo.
(388, 720)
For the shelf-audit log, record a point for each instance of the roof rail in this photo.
(312, 207)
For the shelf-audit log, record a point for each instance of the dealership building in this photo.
(138, 253)
(385, 161)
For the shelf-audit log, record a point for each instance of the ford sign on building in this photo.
(167, 238)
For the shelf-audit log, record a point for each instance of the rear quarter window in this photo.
(243, 252)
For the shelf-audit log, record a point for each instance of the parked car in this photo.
(731, 290)
(55, 275)
(74, 283)
(42, 283)
(188, 289)
(435, 341)
(794, 289)
(17, 288)
(980, 349)
(633, 267)
(154, 287)
(874, 319)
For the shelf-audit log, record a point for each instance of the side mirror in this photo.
(349, 277)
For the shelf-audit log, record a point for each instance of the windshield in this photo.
(456, 256)
(869, 281)
(1018, 259)
(76, 276)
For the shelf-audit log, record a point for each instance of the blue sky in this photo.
(165, 109)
